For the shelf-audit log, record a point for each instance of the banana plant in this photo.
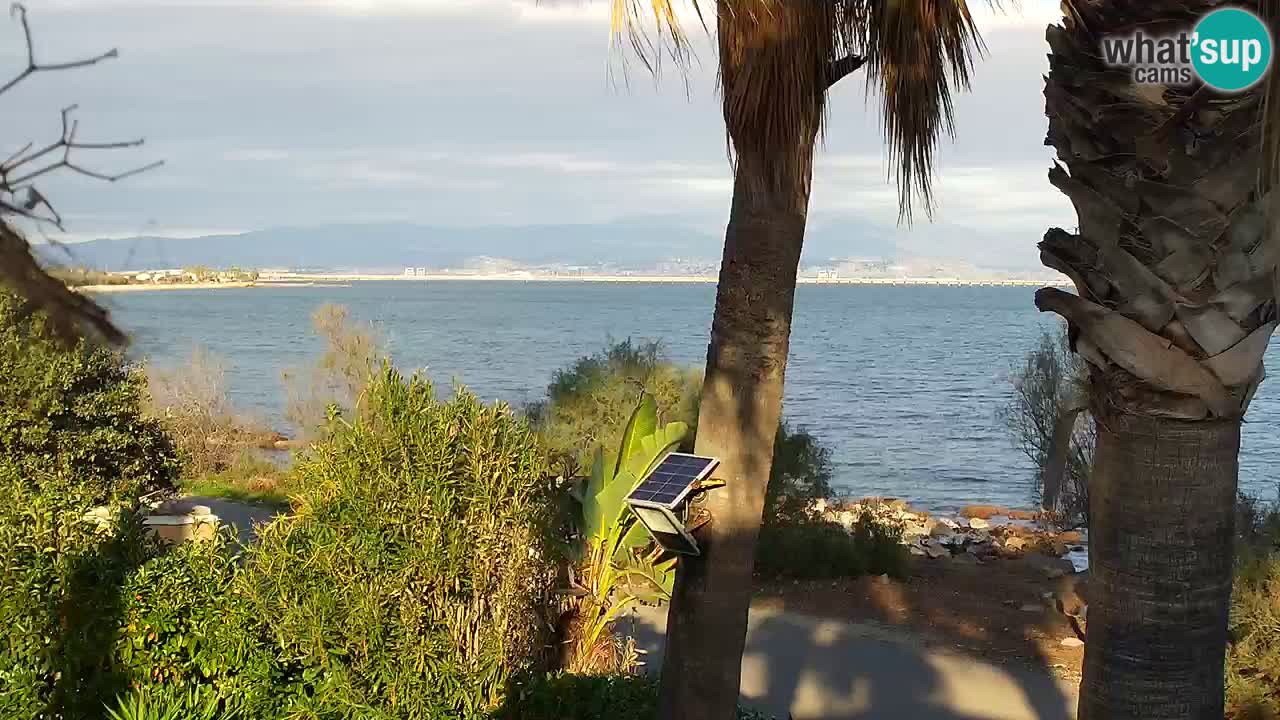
(622, 566)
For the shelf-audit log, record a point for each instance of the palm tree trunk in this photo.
(738, 421)
(1162, 524)
(1174, 264)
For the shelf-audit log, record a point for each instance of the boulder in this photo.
(1026, 515)
(936, 550)
(941, 529)
(1072, 642)
(979, 523)
(1015, 544)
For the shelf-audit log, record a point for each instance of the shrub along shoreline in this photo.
(427, 568)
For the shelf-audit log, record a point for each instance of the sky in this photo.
(480, 112)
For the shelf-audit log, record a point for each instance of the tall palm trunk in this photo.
(738, 421)
(747, 357)
(1162, 514)
(1175, 269)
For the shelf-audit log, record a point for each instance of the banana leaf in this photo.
(643, 423)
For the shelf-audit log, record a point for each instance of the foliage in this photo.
(620, 566)
(414, 579)
(817, 550)
(1047, 385)
(167, 704)
(563, 696)
(80, 277)
(90, 607)
(353, 351)
(249, 479)
(589, 402)
(59, 593)
(190, 401)
(184, 624)
(1253, 661)
(75, 411)
(800, 476)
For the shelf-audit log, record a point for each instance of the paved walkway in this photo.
(832, 670)
(242, 516)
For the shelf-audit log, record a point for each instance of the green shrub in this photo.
(1253, 662)
(562, 696)
(413, 580)
(60, 579)
(588, 403)
(72, 439)
(800, 476)
(1050, 381)
(817, 550)
(76, 412)
(184, 625)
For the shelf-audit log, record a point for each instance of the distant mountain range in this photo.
(390, 247)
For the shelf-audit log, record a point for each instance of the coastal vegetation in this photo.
(1048, 418)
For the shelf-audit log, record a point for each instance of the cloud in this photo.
(468, 112)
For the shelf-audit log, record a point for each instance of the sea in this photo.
(902, 383)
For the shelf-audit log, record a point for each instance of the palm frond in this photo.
(917, 52)
(778, 59)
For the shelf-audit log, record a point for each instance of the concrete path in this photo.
(242, 516)
(826, 669)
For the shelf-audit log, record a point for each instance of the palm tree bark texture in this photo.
(1174, 266)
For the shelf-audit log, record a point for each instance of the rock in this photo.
(846, 520)
(936, 550)
(1031, 608)
(1072, 642)
(949, 523)
(917, 551)
(1023, 515)
(941, 530)
(979, 524)
(1015, 544)
(1071, 538)
(883, 579)
(1054, 573)
(966, 559)
(917, 529)
(982, 512)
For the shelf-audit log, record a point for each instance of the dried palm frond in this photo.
(1175, 259)
(778, 58)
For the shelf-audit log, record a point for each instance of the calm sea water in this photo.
(903, 383)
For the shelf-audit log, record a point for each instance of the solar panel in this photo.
(673, 478)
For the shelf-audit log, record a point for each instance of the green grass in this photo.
(252, 480)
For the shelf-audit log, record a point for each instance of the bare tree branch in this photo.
(69, 312)
(19, 11)
(838, 69)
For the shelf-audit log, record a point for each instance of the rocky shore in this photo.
(977, 534)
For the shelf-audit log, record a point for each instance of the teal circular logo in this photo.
(1231, 49)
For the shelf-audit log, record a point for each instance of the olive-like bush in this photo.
(414, 579)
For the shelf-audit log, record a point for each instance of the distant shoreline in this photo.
(682, 279)
(144, 287)
(307, 279)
